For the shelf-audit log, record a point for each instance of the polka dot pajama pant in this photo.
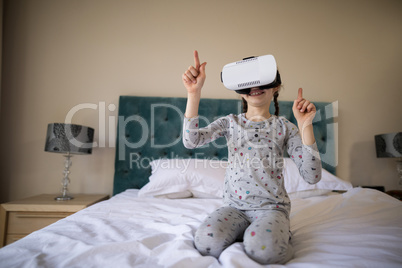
(265, 234)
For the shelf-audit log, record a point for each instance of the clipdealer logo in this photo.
(108, 125)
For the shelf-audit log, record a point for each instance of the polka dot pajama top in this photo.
(254, 178)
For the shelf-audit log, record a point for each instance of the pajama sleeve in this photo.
(194, 137)
(306, 157)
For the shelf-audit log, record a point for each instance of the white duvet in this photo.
(361, 228)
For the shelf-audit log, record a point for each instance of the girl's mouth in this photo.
(256, 92)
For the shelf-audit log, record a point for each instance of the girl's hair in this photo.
(277, 83)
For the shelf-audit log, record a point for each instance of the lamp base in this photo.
(66, 180)
(63, 198)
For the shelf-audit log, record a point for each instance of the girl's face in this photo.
(259, 97)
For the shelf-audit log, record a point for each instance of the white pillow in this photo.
(201, 178)
(182, 178)
(295, 183)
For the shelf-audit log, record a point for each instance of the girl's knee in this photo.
(219, 230)
(267, 252)
(207, 243)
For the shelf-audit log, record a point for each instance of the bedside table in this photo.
(395, 193)
(22, 217)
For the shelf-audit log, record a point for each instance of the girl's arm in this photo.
(193, 136)
(193, 80)
(304, 112)
(306, 157)
(304, 152)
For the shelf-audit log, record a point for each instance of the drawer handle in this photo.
(42, 216)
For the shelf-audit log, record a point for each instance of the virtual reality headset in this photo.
(243, 75)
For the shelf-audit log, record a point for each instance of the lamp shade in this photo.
(69, 138)
(389, 145)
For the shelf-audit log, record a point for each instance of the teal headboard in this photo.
(151, 127)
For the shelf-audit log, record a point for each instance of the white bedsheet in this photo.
(361, 228)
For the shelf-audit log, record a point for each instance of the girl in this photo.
(256, 205)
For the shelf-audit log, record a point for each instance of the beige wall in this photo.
(1, 42)
(58, 54)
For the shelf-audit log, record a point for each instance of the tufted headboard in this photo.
(150, 128)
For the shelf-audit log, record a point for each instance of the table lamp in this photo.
(390, 146)
(68, 139)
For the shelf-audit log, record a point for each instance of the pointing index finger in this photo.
(196, 60)
(300, 94)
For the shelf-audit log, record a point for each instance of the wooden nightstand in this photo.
(22, 217)
(395, 193)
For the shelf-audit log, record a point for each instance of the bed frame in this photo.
(151, 127)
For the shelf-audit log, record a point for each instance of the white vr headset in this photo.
(243, 75)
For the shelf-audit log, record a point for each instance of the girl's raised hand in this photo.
(194, 77)
(303, 110)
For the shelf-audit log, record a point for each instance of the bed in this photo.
(162, 193)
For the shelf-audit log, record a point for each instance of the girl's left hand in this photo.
(303, 110)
